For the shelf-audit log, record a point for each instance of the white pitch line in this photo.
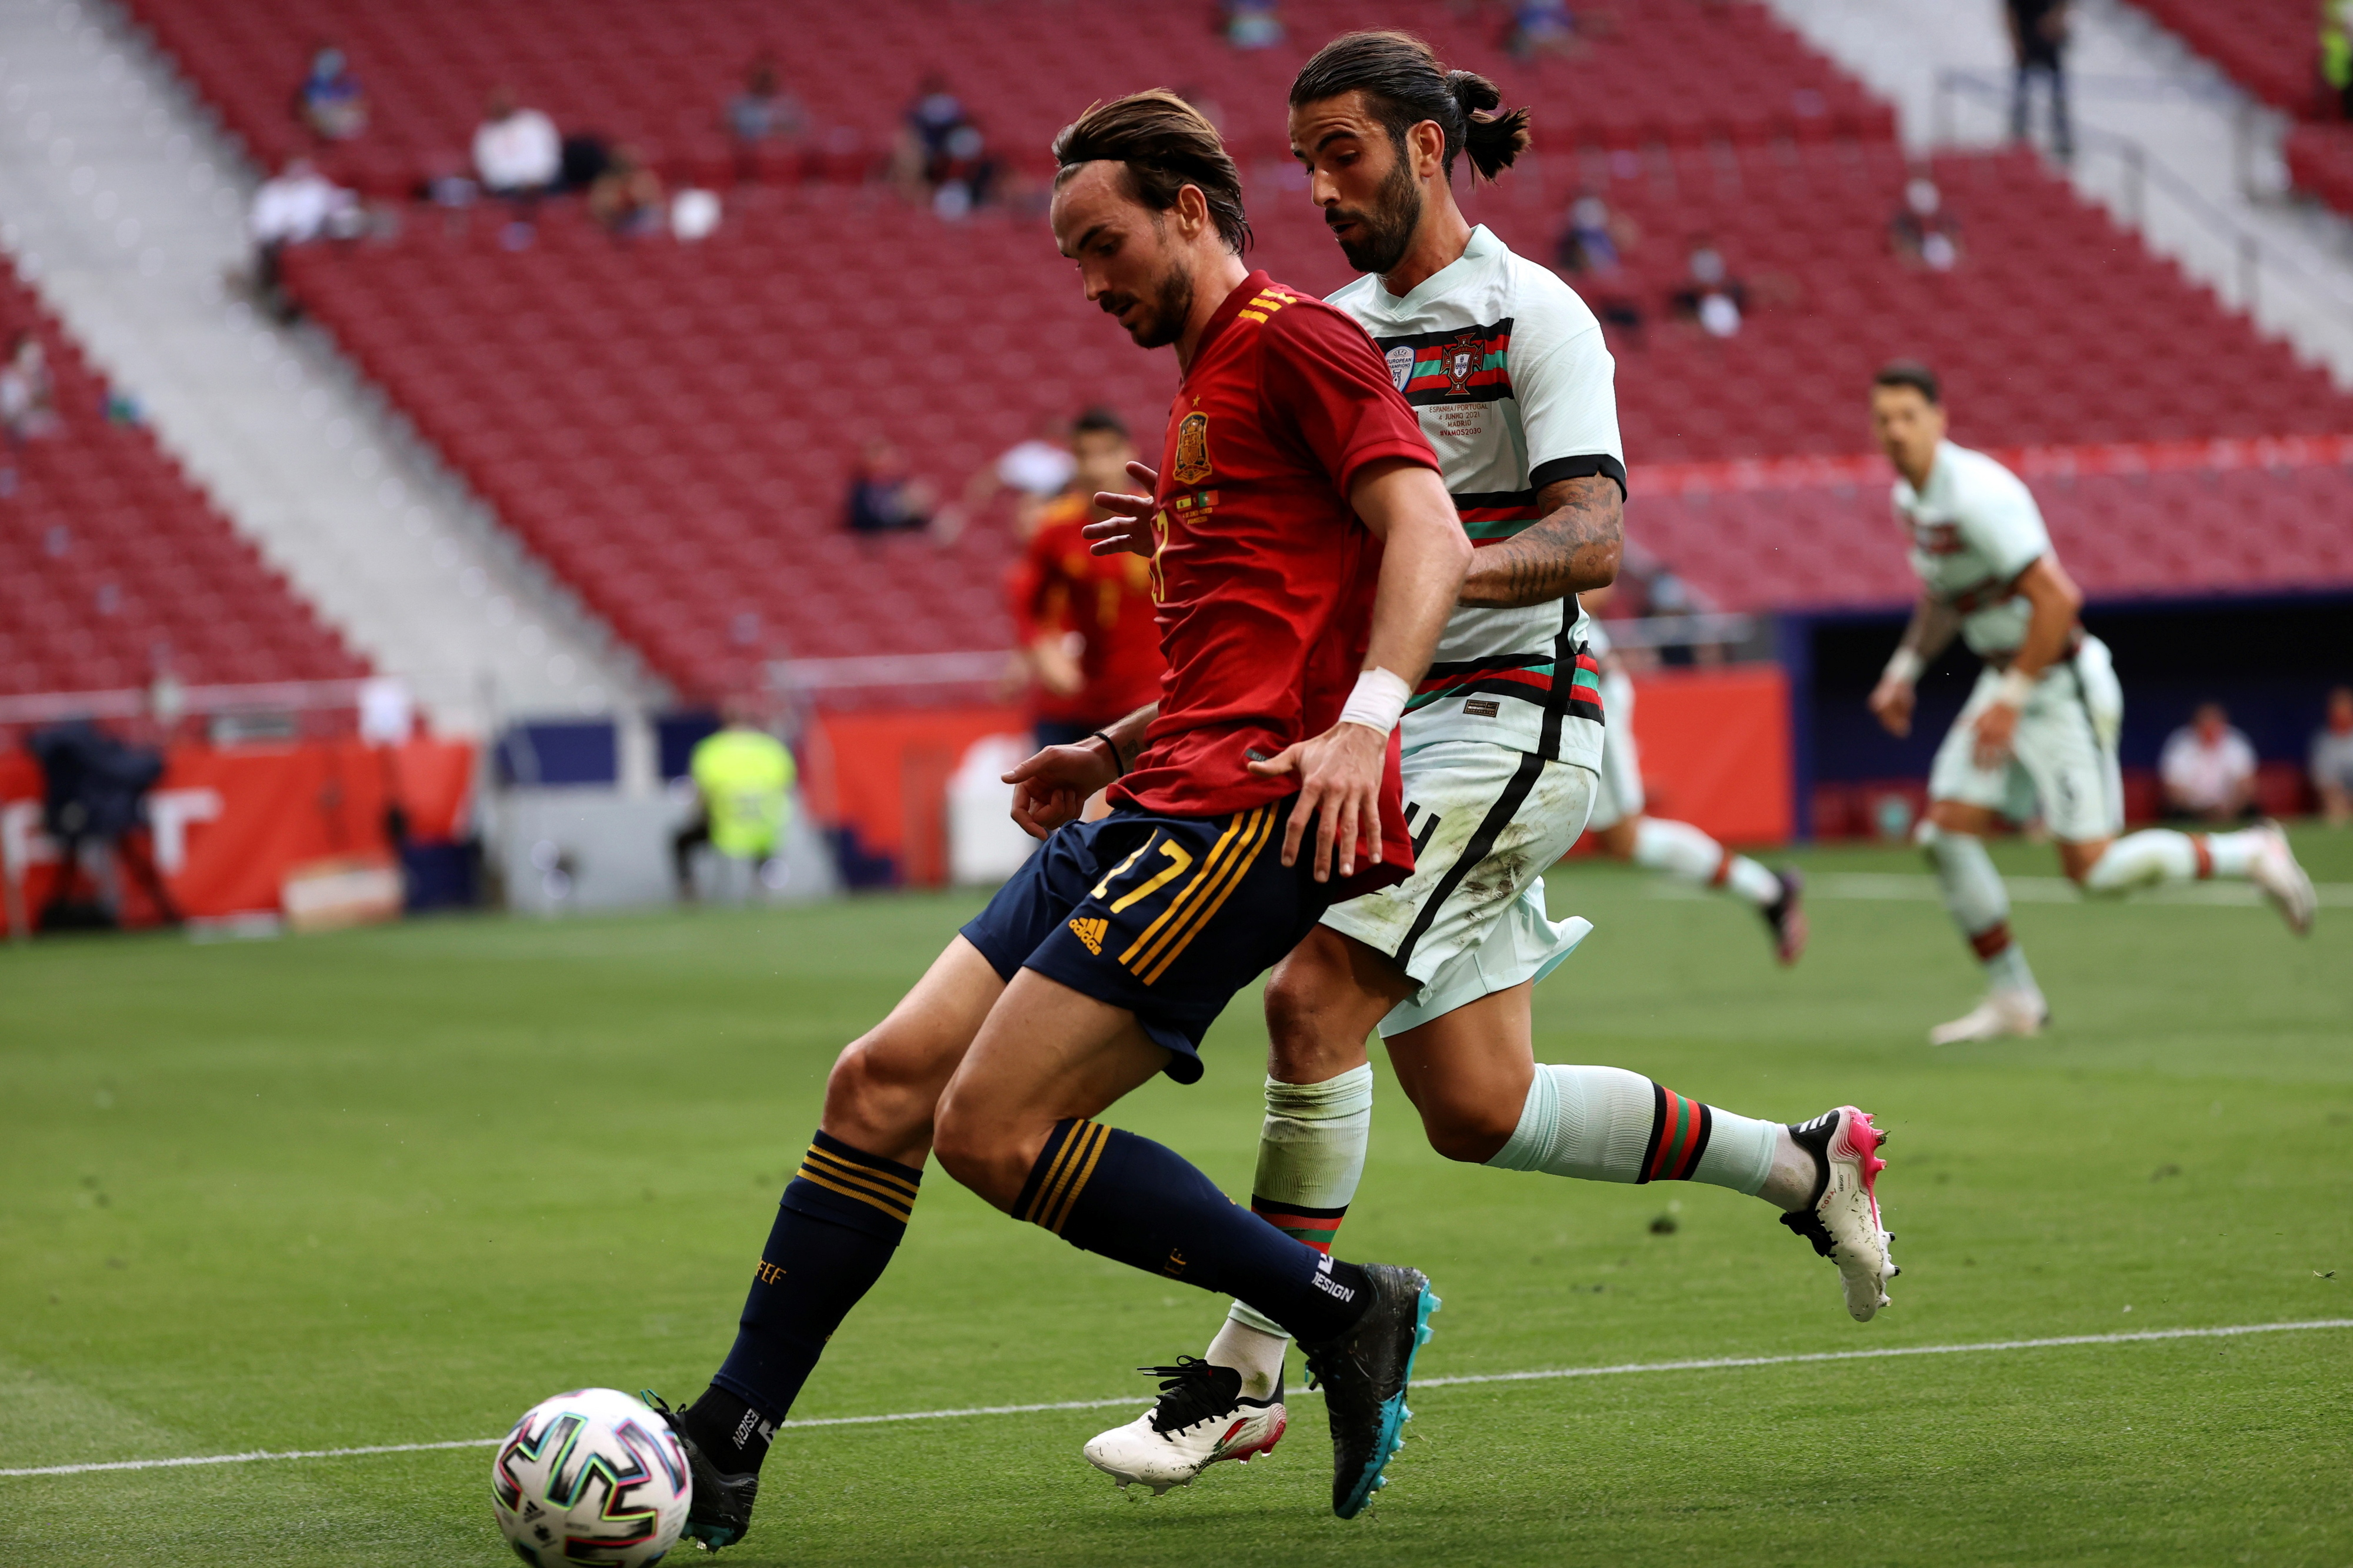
(1716, 1364)
(1909, 887)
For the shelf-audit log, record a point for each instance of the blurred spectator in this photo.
(2336, 53)
(28, 393)
(743, 781)
(1591, 246)
(330, 101)
(625, 197)
(935, 116)
(2207, 768)
(292, 207)
(2332, 759)
(1589, 241)
(764, 109)
(517, 153)
(1033, 471)
(2038, 38)
(1085, 622)
(883, 497)
(1538, 27)
(1711, 297)
(1922, 230)
(1253, 23)
(763, 112)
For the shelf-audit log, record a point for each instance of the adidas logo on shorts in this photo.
(1091, 932)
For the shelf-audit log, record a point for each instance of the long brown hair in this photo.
(1403, 84)
(1166, 144)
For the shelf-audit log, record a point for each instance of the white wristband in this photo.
(2016, 687)
(1377, 701)
(1904, 666)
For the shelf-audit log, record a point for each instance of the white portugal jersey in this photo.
(1974, 527)
(1515, 390)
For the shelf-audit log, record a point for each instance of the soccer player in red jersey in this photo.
(1061, 589)
(1307, 557)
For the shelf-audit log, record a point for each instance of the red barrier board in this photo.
(227, 824)
(1715, 745)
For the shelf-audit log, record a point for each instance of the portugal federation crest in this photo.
(1462, 356)
(1192, 465)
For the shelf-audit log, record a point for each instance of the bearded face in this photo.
(1375, 237)
(1155, 313)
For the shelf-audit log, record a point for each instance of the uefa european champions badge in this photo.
(1192, 465)
(1400, 360)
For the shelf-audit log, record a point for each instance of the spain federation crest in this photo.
(1192, 465)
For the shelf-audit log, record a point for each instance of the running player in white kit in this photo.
(2040, 729)
(1624, 830)
(1503, 748)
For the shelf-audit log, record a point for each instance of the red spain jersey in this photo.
(1263, 573)
(1060, 584)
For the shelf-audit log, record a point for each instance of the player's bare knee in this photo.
(981, 1154)
(1301, 1046)
(874, 1103)
(1470, 1133)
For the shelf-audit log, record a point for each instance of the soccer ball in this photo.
(591, 1476)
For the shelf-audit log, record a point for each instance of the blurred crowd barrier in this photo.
(232, 829)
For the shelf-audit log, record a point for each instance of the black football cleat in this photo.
(720, 1512)
(1364, 1374)
(1786, 915)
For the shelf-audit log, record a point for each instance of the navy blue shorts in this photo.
(1165, 916)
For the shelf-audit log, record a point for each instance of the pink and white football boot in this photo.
(1843, 1219)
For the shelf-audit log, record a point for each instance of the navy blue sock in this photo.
(841, 1219)
(1129, 1198)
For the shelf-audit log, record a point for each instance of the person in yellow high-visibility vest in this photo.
(745, 775)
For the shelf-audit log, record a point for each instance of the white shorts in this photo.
(2063, 759)
(1487, 822)
(1620, 798)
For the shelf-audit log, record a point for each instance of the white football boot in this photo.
(2005, 1012)
(1199, 1418)
(2274, 870)
(1842, 1222)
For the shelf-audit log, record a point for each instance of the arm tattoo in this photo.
(1574, 547)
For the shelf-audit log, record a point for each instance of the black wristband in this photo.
(1107, 741)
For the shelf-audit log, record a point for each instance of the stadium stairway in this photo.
(2132, 80)
(123, 209)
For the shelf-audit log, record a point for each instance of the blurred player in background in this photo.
(1306, 556)
(1624, 831)
(1504, 740)
(1084, 622)
(2039, 728)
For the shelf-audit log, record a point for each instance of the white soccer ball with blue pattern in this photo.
(591, 1476)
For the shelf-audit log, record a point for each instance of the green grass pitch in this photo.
(395, 1186)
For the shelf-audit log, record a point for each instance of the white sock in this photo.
(1682, 850)
(1311, 1155)
(2160, 855)
(1979, 903)
(1606, 1124)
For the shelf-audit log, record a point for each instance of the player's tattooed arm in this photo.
(1575, 546)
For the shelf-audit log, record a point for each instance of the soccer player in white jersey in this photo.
(1625, 831)
(1503, 748)
(2040, 727)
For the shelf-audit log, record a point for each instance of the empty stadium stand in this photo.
(673, 428)
(1683, 73)
(113, 568)
(2271, 48)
